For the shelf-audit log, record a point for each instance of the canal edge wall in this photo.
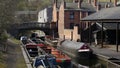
(109, 63)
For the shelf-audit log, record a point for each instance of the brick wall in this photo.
(61, 22)
(67, 33)
(72, 34)
(76, 19)
(64, 23)
(76, 36)
(54, 14)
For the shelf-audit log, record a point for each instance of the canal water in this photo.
(93, 62)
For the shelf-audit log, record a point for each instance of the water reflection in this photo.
(91, 62)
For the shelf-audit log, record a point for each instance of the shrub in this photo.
(3, 36)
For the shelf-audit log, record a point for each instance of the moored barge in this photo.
(77, 50)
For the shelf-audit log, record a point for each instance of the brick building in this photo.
(68, 16)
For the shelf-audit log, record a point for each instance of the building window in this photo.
(71, 15)
(76, 1)
(77, 25)
(71, 25)
(90, 13)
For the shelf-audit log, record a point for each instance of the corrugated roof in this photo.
(72, 44)
(109, 14)
(111, 26)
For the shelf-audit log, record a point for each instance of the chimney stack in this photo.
(110, 1)
(95, 2)
(55, 2)
(79, 3)
(63, 1)
(115, 3)
(89, 1)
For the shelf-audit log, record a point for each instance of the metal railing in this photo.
(37, 25)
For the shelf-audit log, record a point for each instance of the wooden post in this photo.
(64, 37)
(102, 36)
(71, 35)
(90, 33)
(53, 34)
(117, 33)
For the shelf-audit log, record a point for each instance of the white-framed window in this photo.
(71, 15)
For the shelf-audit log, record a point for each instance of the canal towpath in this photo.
(108, 51)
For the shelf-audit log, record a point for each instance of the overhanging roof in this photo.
(105, 15)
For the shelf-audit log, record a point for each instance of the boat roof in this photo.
(72, 44)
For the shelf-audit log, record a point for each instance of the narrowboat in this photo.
(78, 50)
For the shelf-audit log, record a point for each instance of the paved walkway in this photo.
(109, 51)
(28, 63)
(13, 56)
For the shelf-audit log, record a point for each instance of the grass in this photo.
(15, 40)
(20, 60)
(2, 63)
(21, 64)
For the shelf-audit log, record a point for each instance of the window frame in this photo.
(71, 15)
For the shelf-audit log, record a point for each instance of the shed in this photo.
(108, 15)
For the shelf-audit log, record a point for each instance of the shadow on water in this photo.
(92, 62)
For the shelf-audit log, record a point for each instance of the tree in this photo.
(3, 40)
(7, 11)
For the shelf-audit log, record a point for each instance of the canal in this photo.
(93, 62)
